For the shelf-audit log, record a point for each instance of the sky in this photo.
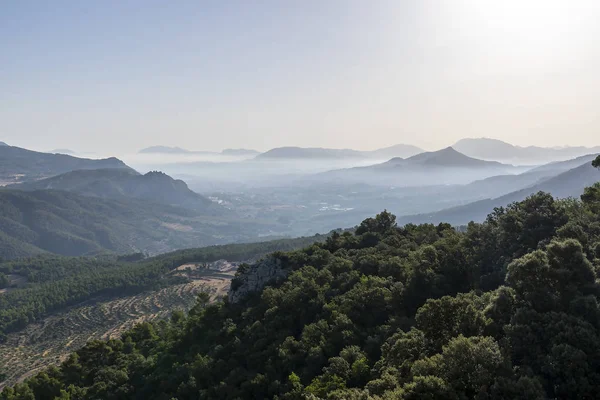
(115, 76)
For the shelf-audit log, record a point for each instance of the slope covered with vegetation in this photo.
(570, 183)
(19, 165)
(70, 224)
(54, 282)
(119, 183)
(505, 309)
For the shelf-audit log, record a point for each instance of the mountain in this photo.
(67, 223)
(19, 165)
(3, 144)
(179, 150)
(165, 150)
(399, 150)
(447, 157)
(309, 153)
(240, 152)
(493, 149)
(508, 310)
(557, 167)
(443, 167)
(567, 184)
(500, 185)
(71, 224)
(125, 183)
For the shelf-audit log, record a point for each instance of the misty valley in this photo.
(94, 252)
(300, 200)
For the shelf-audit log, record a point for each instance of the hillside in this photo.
(502, 310)
(318, 153)
(563, 166)
(442, 167)
(70, 224)
(447, 157)
(493, 149)
(56, 304)
(19, 165)
(125, 183)
(567, 184)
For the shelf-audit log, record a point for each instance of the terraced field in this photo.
(52, 340)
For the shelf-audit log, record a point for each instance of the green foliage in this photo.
(69, 224)
(4, 281)
(55, 282)
(413, 312)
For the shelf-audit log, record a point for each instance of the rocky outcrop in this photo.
(254, 277)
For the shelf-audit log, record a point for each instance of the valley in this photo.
(50, 341)
(300, 200)
(90, 255)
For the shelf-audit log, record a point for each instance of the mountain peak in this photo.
(448, 157)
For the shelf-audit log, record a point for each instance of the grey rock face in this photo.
(256, 277)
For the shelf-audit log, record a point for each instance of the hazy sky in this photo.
(116, 76)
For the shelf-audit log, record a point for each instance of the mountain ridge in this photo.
(296, 152)
(570, 183)
(494, 149)
(120, 184)
(19, 165)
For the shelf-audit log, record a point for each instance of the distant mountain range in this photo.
(479, 148)
(442, 167)
(125, 183)
(493, 149)
(570, 183)
(20, 165)
(179, 150)
(319, 153)
(399, 150)
(170, 150)
(309, 153)
(239, 152)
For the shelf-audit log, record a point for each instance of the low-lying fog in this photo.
(314, 195)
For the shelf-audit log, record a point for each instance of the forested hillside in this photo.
(70, 224)
(120, 183)
(19, 165)
(54, 282)
(505, 309)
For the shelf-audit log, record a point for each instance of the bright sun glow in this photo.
(539, 31)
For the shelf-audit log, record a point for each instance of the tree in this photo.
(549, 280)
(4, 281)
(591, 198)
(443, 319)
(596, 162)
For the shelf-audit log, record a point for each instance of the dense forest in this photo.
(55, 282)
(505, 309)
